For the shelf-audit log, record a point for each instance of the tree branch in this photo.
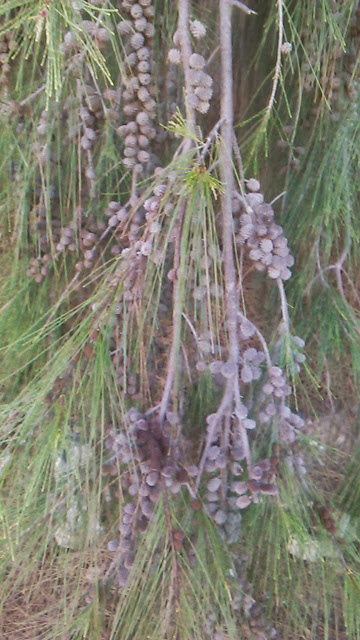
(227, 178)
(175, 339)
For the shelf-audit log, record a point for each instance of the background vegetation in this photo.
(179, 320)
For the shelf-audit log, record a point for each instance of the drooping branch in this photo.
(227, 177)
(176, 327)
(231, 400)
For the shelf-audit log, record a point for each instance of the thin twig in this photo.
(212, 135)
(213, 166)
(284, 305)
(290, 154)
(192, 328)
(278, 59)
(225, 442)
(186, 361)
(339, 281)
(152, 410)
(239, 162)
(318, 261)
(283, 193)
(261, 339)
(243, 431)
(174, 350)
(353, 288)
(179, 149)
(337, 266)
(212, 55)
(135, 172)
(242, 7)
(319, 275)
(32, 96)
(7, 304)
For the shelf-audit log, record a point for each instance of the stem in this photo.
(186, 51)
(242, 7)
(278, 60)
(232, 389)
(284, 306)
(191, 326)
(243, 431)
(261, 339)
(240, 165)
(212, 55)
(175, 339)
(283, 193)
(225, 442)
(295, 125)
(227, 178)
(208, 142)
(32, 96)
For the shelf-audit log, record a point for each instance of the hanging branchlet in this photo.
(150, 465)
(198, 83)
(139, 107)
